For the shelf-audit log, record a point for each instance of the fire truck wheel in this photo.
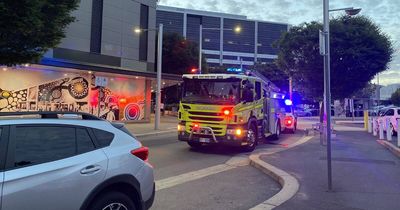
(251, 139)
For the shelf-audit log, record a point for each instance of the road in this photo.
(213, 177)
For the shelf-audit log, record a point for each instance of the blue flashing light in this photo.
(288, 102)
(234, 70)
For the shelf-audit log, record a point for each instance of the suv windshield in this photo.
(213, 91)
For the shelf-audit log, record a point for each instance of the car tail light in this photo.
(288, 121)
(142, 153)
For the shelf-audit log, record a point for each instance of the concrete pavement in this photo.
(183, 174)
(365, 175)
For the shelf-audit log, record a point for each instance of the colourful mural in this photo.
(122, 99)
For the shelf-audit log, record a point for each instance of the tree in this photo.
(396, 97)
(180, 55)
(359, 51)
(29, 28)
(276, 75)
(367, 92)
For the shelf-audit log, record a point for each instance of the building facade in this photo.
(221, 44)
(100, 43)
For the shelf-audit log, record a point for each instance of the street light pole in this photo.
(200, 47)
(159, 70)
(327, 92)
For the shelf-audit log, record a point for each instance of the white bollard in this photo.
(369, 125)
(374, 127)
(381, 136)
(398, 135)
(388, 132)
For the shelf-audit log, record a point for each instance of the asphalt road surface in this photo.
(214, 177)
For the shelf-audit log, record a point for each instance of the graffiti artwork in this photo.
(122, 99)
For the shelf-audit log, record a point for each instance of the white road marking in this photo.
(190, 176)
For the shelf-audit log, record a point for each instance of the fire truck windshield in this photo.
(211, 91)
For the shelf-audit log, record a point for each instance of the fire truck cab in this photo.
(237, 110)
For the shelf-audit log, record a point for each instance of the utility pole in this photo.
(200, 48)
(159, 70)
(327, 91)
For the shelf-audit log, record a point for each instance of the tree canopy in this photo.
(396, 98)
(28, 28)
(180, 55)
(359, 51)
(276, 75)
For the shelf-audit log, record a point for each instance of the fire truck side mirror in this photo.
(248, 93)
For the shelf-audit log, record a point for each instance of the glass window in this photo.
(390, 112)
(258, 90)
(217, 91)
(35, 145)
(84, 142)
(104, 138)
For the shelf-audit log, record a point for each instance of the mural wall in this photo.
(44, 90)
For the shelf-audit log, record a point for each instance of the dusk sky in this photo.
(386, 13)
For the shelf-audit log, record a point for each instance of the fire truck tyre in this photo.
(194, 145)
(251, 138)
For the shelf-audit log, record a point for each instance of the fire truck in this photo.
(230, 109)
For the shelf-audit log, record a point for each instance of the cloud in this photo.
(383, 12)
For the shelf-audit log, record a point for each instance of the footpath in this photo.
(168, 124)
(365, 174)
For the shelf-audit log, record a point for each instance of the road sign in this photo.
(101, 81)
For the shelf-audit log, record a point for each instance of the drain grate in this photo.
(357, 160)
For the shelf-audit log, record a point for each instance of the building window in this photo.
(144, 24)
(97, 22)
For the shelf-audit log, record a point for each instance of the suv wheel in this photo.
(113, 201)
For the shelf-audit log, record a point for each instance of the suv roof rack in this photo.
(51, 114)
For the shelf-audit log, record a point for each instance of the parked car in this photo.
(302, 113)
(391, 114)
(71, 161)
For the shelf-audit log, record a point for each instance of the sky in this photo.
(385, 13)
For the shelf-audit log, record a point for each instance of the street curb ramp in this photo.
(289, 184)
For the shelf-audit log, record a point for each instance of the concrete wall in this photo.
(77, 36)
(118, 39)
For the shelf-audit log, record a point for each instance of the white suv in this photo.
(391, 114)
(51, 160)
